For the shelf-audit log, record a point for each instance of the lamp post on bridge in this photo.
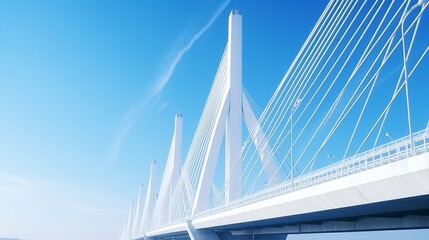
(390, 144)
(331, 157)
(388, 135)
(293, 109)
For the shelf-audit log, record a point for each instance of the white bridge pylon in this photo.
(185, 190)
(234, 106)
(348, 84)
(171, 174)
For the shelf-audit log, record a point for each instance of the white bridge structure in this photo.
(323, 156)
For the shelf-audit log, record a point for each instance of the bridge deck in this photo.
(390, 173)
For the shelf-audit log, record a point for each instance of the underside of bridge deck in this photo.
(402, 214)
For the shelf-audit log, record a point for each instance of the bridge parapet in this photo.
(385, 154)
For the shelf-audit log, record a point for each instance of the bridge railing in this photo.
(391, 152)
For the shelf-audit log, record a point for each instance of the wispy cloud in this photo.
(117, 143)
(165, 77)
(97, 210)
(15, 184)
(133, 114)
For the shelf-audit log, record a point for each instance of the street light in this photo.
(388, 135)
(331, 157)
(390, 143)
(294, 107)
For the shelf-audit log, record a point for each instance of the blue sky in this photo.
(89, 90)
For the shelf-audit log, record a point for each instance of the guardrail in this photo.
(382, 155)
(391, 152)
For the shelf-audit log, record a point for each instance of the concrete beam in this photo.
(362, 224)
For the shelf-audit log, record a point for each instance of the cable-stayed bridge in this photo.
(321, 156)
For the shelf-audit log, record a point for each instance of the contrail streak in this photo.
(132, 115)
(165, 78)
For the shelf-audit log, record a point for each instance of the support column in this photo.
(209, 163)
(128, 229)
(171, 174)
(178, 122)
(233, 141)
(149, 201)
(177, 138)
(261, 144)
(138, 213)
(150, 238)
(205, 234)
